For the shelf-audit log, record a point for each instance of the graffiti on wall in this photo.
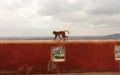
(58, 54)
(117, 51)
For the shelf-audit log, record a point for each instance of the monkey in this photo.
(60, 33)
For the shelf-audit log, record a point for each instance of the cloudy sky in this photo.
(41, 17)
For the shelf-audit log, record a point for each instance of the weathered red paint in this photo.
(33, 56)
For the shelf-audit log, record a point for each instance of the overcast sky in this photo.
(41, 17)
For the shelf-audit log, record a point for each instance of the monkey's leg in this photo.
(63, 37)
(59, 37)
(55, 37)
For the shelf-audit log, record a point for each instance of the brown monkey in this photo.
(60, 33)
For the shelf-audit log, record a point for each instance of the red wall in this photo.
(34, 56)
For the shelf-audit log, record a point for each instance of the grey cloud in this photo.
(59, 7)
(64, 11)
(105, 20)
(107, 7)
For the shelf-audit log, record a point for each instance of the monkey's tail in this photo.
(67, 31)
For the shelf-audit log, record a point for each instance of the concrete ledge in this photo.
(53, 41)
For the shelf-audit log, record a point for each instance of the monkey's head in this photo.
(53, 32)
